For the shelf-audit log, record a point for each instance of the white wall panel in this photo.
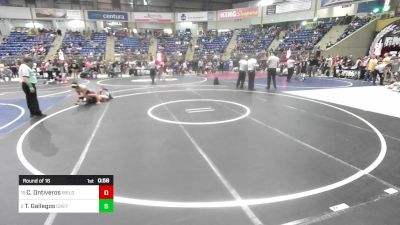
(337, 11)
(15, 12)
(154, 26)
(229, 24)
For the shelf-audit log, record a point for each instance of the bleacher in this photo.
(174, 45)
(132, 44)
(355, 24)
(21, 44)
(251, 41)
(304, 38)
(76, 43)
(211, 44)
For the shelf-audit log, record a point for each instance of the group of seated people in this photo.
(174, 44)
(256, 40)
(212, 43)
(137, 44)
(354, 25)
(299, 37)
(22, 44)
(76, 43)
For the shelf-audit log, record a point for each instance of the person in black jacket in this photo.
(313, 65)
(74, 67)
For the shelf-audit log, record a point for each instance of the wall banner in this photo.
(240, 13)
(329, 3)
(192, 17)
(42, 13)
(388, 40)
(107, 16)
(74, 14)
(152, 17)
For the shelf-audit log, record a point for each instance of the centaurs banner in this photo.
(107, 16)
(240, 13)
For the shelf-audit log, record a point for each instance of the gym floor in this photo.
(186, 152)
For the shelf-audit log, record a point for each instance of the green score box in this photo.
(106, 205)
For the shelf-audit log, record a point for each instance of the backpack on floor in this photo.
(216, 81)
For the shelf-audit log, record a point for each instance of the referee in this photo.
(272, 64)
(251, 70)
(290, 65)
(242, 72)
(29, 80)
(152, 67)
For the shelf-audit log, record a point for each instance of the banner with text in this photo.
(271, 9)
(329, 3)
(107, 16)
(293, 5)
(44, 13)
(41, 13)
(152, 17)
(74, 14)
(240, 13)
(193, 17)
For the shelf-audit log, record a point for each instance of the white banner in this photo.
(47, 13)
(152, 17)
(293, 5)
(74, 14)
(328, 3)
(192, 17)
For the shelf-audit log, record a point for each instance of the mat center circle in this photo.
(198, 112)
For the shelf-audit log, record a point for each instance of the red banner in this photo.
(232, 14)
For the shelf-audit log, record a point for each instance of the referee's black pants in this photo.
(290, 73)
(241, 79)
(152, 75)
(31, 100)
(252, 75)
(271, 75)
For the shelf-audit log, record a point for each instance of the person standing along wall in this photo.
(272, 64)
(379, 70)
(328, 65)
(395, 64)
(251, 70)
(49, 70)
(372, 62)
(290, 64)
(152, 67)
(242, 72)
(74, 70)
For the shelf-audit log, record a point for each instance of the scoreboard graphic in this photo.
(66, 194)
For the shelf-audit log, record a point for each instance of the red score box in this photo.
(106, 192)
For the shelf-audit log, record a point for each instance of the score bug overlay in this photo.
(66, 194)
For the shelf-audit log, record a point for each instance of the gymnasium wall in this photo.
(7, 12)
(230, 24)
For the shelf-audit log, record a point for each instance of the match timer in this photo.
(66, 194)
